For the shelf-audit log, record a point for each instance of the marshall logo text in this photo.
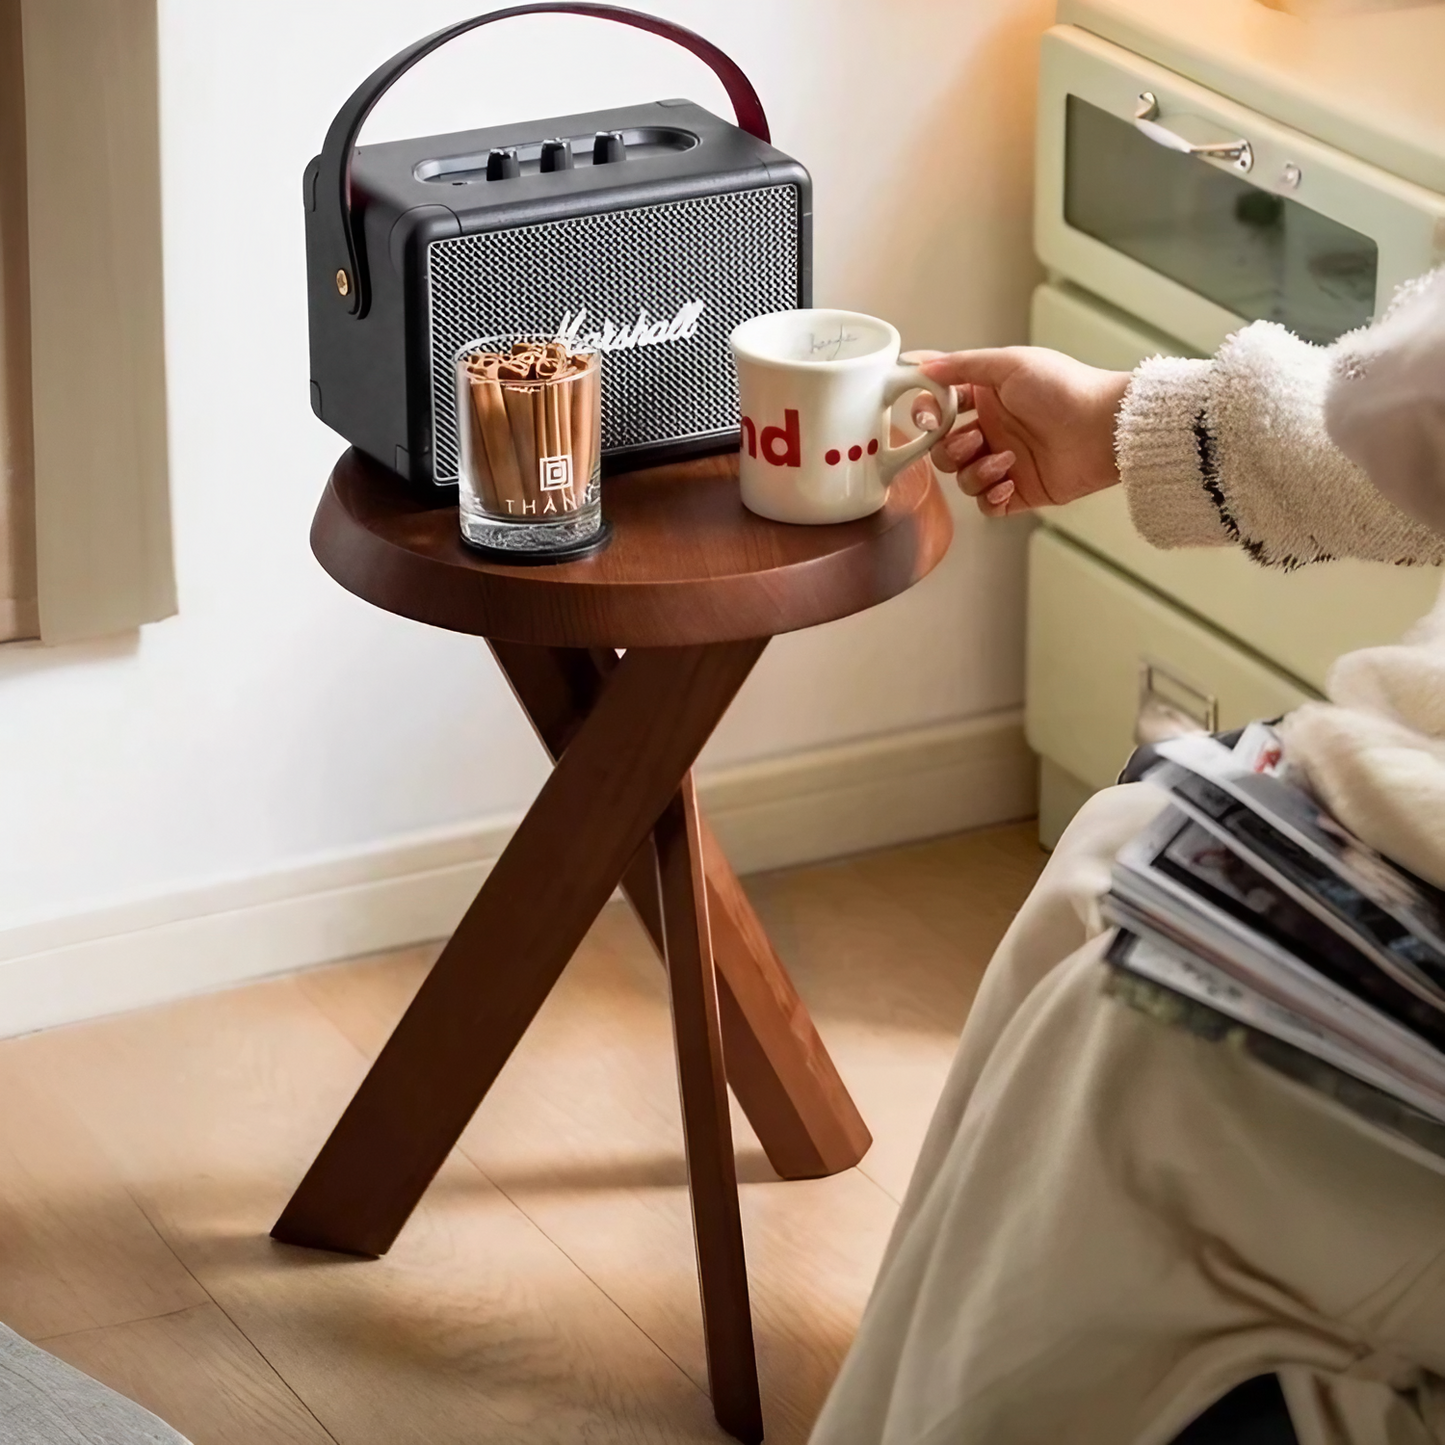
(645, 331)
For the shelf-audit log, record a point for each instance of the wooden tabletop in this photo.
(687, 563)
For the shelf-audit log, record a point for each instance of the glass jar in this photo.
(529, 418)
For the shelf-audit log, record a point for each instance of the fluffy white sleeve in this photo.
(1235, 450)
(1385, 402)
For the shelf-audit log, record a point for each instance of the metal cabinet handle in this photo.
(1239, 152)
(1170, 707)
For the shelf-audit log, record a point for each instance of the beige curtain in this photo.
(19, 615)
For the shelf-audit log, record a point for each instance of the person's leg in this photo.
(1127, 1222)
(1057, 918)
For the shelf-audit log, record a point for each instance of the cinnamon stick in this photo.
(518, 401)
(481, 468)
(584, 434)
(497, 433)
(560, 414)
(551, 441)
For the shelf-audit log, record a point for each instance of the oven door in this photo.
(1196, 214)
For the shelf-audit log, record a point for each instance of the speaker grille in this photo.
(736, 253)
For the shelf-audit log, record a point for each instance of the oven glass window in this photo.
(1262, 256)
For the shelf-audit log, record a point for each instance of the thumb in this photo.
(989, 366)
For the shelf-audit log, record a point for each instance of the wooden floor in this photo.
(544, 1291)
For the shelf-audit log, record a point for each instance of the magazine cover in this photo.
(1254, 964)
(1195, 978)
(1179, 871)
(1170, 1007)
(1311, 883)
(1294, 814)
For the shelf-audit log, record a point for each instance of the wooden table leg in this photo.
(782, 1074)
(593, 813)
(681, 888)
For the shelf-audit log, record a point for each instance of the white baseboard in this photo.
(873, 793)
(799, 809)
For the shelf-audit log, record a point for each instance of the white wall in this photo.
(276, 718)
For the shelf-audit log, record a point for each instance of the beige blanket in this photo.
(1376, 752)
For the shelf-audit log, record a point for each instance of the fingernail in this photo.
(926, 419)
(963, 444)
(994, 468)
(997, 496)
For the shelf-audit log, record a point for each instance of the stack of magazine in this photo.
(1246, 911)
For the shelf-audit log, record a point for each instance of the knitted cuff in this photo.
(1285, 491)
(1157, 440)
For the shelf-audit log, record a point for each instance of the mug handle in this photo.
(892, 460)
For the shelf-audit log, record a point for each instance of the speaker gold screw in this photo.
(343, 283)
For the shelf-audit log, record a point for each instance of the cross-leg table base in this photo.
(619, 807)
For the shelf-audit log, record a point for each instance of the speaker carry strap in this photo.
(340, 230)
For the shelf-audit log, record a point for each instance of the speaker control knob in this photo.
(503, 165)
(608, 147)
(556, 155)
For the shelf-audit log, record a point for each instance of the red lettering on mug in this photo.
(751, 432)
(787, 434)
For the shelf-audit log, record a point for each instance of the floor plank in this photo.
(196, 1371)
(75, 1250)
(967, 887)
(475, 1327)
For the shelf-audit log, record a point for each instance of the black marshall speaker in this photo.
(648, 233)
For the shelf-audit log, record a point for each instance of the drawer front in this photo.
(1070, 319)
(1274, 224)
(1109, 661)
(1300, 621)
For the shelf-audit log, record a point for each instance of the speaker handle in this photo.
(353, 282)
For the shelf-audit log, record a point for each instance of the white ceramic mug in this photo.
(816, 387)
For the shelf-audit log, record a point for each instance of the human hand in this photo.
(1044, 431)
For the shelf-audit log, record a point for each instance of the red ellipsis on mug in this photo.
(833, 456)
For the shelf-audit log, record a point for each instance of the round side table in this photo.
(692, 586)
